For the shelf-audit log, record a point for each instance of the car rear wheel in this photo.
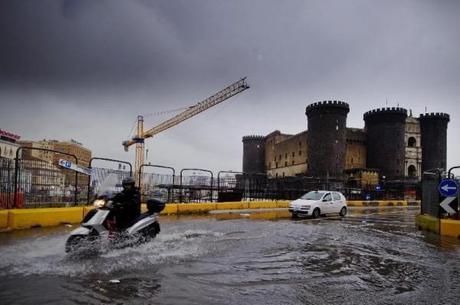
(343, 212)
(316, 213)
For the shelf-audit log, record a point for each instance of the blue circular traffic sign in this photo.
(448, 188)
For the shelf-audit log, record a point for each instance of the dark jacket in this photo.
(129, 207)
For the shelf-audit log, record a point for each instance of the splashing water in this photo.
(46, 255)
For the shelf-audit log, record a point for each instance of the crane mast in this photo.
(211, 101)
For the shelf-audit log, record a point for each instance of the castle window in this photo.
(285, 155)
(292, 162)
(276, 164)
(285, 163)
(300, 152)
(279, 158)
(411, 142)
(293, 154)
(411, 171)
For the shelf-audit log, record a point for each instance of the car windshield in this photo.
(312, 195)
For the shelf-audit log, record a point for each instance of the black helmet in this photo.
(128, 181)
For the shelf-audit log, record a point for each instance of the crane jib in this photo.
(211, 101)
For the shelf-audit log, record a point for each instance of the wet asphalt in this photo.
(372, 256)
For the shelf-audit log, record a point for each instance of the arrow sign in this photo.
(448, 188)
(445, 205)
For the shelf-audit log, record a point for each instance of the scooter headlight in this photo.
(99, 203)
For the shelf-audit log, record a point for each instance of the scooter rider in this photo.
(127, 203)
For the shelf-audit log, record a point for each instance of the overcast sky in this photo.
(85, 69)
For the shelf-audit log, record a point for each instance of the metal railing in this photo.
(31, 182)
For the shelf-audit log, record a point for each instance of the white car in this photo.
(316, 203)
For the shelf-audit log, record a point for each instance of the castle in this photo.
(393, 146)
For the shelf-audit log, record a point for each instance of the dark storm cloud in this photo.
(71, 42)
(142, 56)
(150, 43)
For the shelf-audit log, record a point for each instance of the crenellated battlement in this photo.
(318, 106)
(253, 138)
(385, 111)
(435, 115)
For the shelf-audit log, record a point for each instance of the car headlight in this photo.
(99, 203)
(306, 207)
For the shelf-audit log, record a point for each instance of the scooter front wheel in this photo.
(75, 243)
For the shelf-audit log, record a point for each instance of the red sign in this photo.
(9, 135)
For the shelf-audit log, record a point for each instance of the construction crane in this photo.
(211, 101)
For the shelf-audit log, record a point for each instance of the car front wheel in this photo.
(343, 212)
(316, 213)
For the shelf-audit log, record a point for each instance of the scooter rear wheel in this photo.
(151, 232)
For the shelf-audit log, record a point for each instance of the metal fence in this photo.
(157, 181)
(30, 181)
(7, 183)
(107, 176)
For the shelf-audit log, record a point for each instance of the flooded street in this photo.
(373, 256)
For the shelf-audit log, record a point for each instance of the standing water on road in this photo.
(370, 257)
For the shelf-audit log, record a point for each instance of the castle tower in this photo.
(253, 154)
(386, 130)
(326, 140)
(433, 129)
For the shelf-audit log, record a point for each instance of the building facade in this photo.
(392, 146)
(47, 152)
(8, 145)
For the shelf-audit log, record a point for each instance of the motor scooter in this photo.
(99, 231)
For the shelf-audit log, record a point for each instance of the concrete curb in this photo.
(444, 227)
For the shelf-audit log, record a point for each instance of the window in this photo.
(285, 163)
(300, 152)
(292, 162)
(328, 197)
(412, 142)
(293, 154)
(411, 171)
(314, 195)
(336, 196)
(285, 155)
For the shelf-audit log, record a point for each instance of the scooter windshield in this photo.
(98, 218)
(107, 185)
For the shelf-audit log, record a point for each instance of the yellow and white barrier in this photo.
(46, 217)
